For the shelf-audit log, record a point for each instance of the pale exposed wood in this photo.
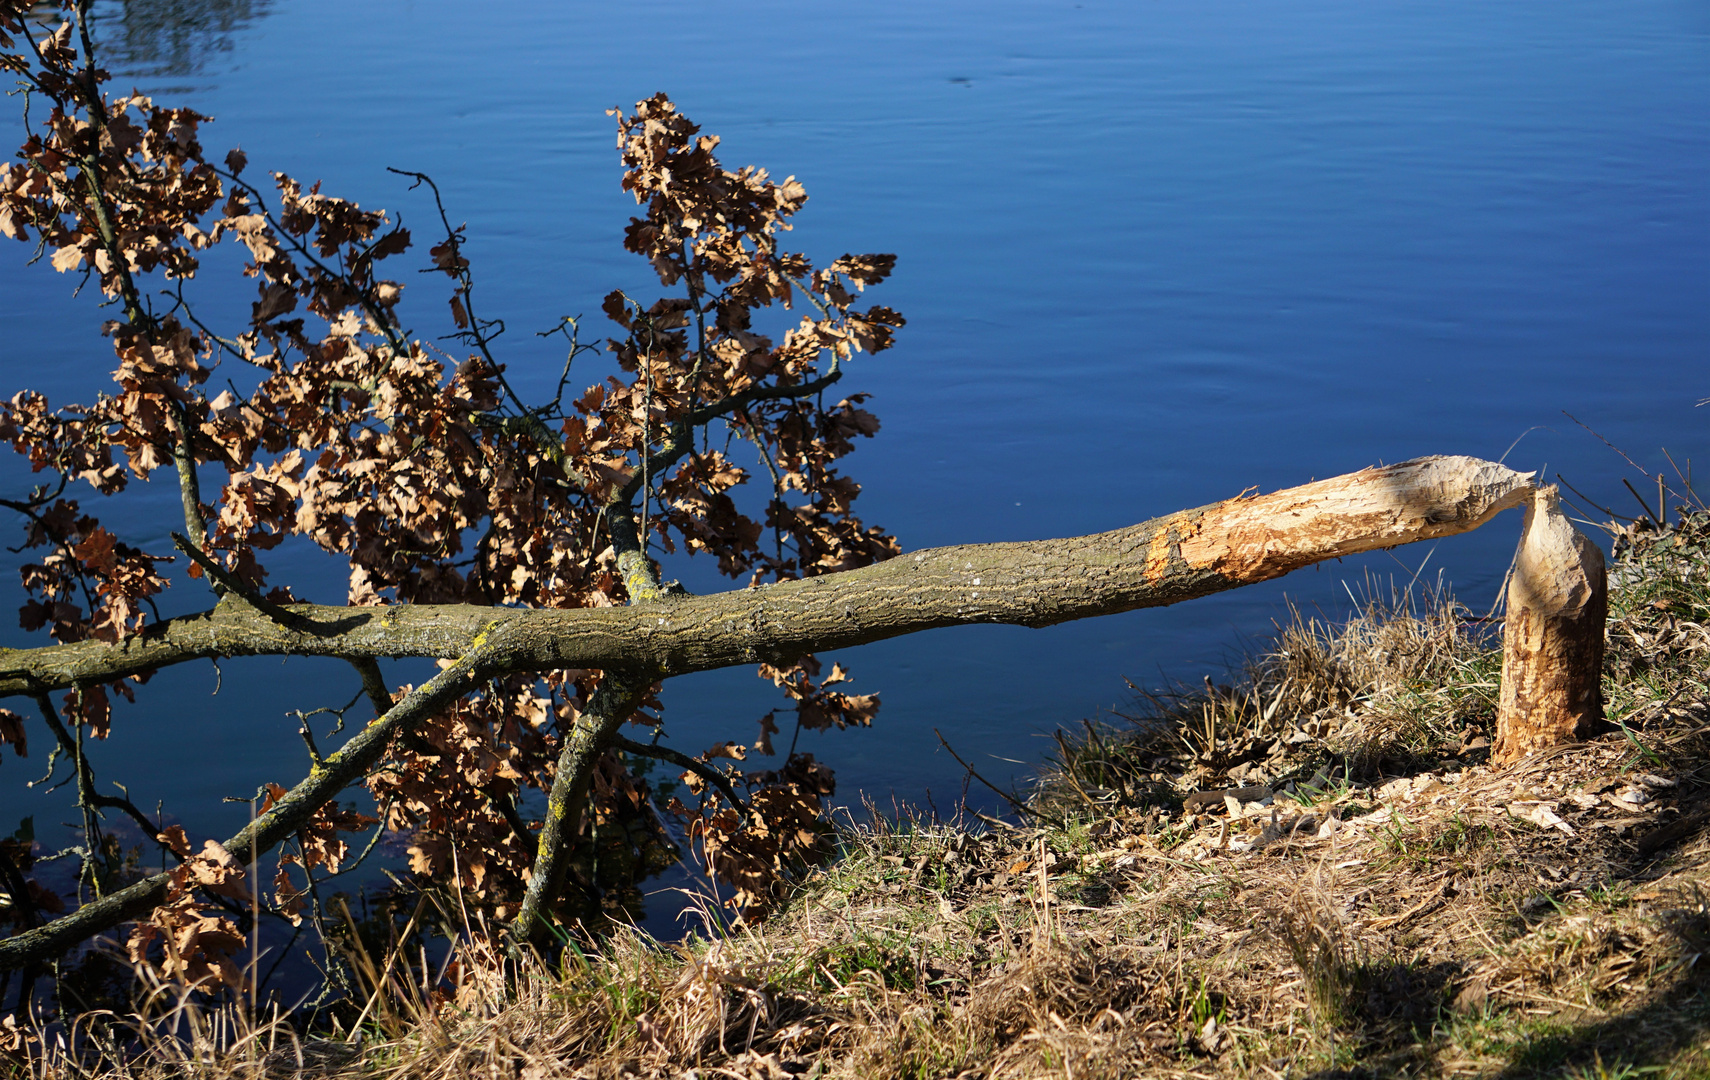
(1552, 643)
(1258, 538)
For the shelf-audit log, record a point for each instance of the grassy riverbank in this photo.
(1372, 901)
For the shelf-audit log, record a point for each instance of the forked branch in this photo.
(291, 813)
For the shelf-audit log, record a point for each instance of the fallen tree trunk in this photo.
(1184, 555)
(1552, 642)
(1178, 557)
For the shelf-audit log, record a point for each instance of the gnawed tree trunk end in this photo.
(1552, 642)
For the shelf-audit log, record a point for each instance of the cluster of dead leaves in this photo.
(182, 941)
(425, 473)
(320, 843)
(763, 847)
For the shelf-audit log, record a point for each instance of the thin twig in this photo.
(1605, 442)
(1019, 806)
(86, 777)
(1648, 513)
(1684, 478)
(1588, 499)
(281, 615)
(676, 757)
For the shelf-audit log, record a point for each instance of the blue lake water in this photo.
(1151, 253)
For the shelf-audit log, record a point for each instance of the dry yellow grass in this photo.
(1392, 908)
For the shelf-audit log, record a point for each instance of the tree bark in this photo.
(1184, 555)
(612, 704)
(1552, 641)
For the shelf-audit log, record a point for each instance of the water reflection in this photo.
(162, 39)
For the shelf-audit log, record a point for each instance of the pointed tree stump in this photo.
(1552, 642)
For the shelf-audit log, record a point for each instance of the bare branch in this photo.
(681, 760)
(227, 582)
(339, 770)
(373, 684)
(613, 703)
(190, 494)
(1015, 804)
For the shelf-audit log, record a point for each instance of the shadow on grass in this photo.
(1391, 1003)
(1648, 1038)
(1653, 1035)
